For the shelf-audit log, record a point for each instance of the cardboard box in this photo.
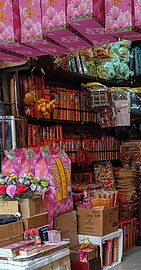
(94, 264)
(11, 233)
(8, 207)
(31, 207)
(68, 225)
(27, 207)
(97, 221)
(36, 221)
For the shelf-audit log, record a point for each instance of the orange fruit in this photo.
(43, 109)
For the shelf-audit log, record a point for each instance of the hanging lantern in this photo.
(31, 28)
(54, 23)
(120, 19)
(88, 18)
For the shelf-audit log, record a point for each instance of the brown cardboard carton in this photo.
(8, 206)
(97, 221)
(11, 233)
(36, 221)
(30, 207)
(68, 226)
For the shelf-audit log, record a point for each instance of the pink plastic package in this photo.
(120, 18)
(29, 159)
(31, 29)
(54, 24)
(58, 197)
(88, 18)
(11, 162)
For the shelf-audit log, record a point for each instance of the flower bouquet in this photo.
(22, 187)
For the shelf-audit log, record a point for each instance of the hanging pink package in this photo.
(58, 197)
(29, 160)
(11, 162)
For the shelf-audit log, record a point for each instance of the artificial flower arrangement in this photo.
(22, 187)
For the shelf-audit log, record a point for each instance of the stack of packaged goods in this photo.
(125, 180)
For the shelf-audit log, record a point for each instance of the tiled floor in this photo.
(131, 260)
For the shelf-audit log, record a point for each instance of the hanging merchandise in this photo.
(88, 18)
(31, 29)
(99, 98)
(98, 95)
(120, 19)
(54, 24)
(10, 35)
(112, 60)
(121, 103)
(135, 96)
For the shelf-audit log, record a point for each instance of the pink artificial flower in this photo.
(28, 23)
(51, 12)
(45, 23)
(56, 21)
(114, 12)
(82, 10)
(121, 21)
(11, 190)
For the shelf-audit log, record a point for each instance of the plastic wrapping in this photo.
(135, 99)
(98, 95)
(104, 175)
(121, 103)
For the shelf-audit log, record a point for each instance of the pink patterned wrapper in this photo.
(119, 17)
(88, 18)
(54, 24)
(45, 47)
(92, 31)
(21, 49)
(31, 29)
(11, 58)
(9, 21)
(137, 8)
(58, 198)
(30, 16)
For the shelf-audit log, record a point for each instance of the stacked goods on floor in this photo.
(125, 180)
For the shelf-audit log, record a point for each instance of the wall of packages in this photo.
(70, 156)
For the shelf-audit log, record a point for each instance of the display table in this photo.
(99, 240)
(54, 260)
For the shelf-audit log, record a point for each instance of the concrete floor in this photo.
(131, 260)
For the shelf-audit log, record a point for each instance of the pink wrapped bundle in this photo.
(54, 25)
(88, 18)
(31, 29)
(120, 19)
